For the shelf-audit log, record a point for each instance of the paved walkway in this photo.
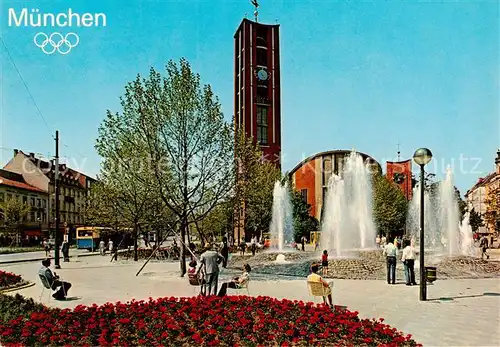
(459, 312)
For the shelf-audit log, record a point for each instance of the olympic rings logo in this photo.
(56, 42)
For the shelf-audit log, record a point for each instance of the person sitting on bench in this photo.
(54, 281)
(237, 282)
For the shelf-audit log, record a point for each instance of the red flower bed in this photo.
(8, 279)
(229, 321)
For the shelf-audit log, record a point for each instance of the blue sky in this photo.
(363, 75)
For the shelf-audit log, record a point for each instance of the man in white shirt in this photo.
(391, 252)
(408, 259)
(314, 277)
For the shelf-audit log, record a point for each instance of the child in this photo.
(196, 279)
(192, 275)
(324, 262)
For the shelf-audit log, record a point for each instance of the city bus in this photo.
(89, 237)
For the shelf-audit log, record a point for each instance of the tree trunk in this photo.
(135, 242)
(182, 257)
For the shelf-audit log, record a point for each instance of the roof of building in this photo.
(48, 168)
(482, 181)
(15, 180)
(335, 151)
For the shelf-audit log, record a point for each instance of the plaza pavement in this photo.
(458, 313)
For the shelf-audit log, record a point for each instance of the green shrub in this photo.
(12, 307)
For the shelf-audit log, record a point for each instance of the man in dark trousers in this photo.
(210, 260)
(54, 281)
(303, 242)
(391, 252)
(224, 251)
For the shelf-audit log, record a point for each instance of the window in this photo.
(9, 196)
(262, 125)
(39, 203)
(303, 192)
(261, 36)
(2, 197)
(261, 56)
(25, 199)
(327, 170)
(32, 201)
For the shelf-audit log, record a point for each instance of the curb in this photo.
(27, 285)
(15, 261)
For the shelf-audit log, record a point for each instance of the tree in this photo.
(179, 125)
(14, 212)
(475, 220)
(303, 222)
(390, 206)
(492, 216)
(462, 205)
(254, 185)
(127, 194)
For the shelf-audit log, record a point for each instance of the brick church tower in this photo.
(257, 96)
(257, 92)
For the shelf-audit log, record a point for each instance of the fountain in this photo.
(467, 241)
(442, 227)
(448, 213)
(282, 219)
(280, 259)
(348, 221)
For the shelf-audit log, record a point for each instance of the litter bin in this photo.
(430, 273)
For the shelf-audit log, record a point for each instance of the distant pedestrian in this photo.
(253, 245)
(110, 246)
(483, 244)
(303, 243)
(324, 262)
(224, 251)
(102, 247)
(391, 252)
(377, 241)
(46, 247)
(243, 246)
(408, 258)
(65, 250)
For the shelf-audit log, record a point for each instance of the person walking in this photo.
(46, 247)
(303, 243)
(253, 245)
(483, 244)
(408, 259)
(210, 260)
(391, 252)
(224, 251)
(110, 246)
(65, 250)
(102, 247)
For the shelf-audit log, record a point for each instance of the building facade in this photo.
(13, 186)
(74, 187)
(257, 91)
(400, 173)
(477, 197)
(311, 176)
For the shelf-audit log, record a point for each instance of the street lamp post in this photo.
(422, 156)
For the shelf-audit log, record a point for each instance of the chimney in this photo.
(32, 155)
(15, 152)
(497, 162)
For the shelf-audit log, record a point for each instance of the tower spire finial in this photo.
(255, 3)
(399, 152)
